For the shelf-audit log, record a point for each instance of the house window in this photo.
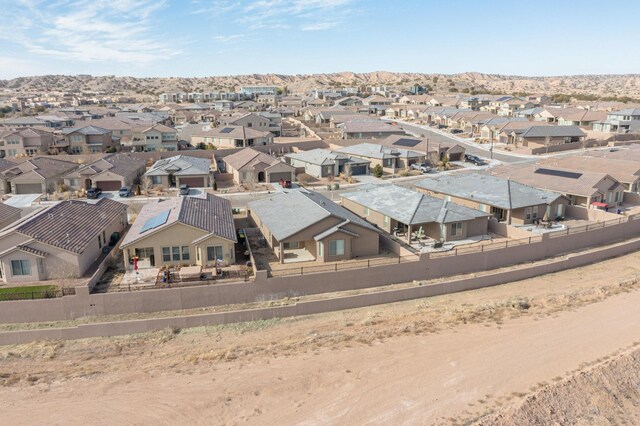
(320, 248)
(166, 254)
(534, 212)
(366, 211)
(386, 221)
(527, 213)
(456, 229)
(73, 183)
(387, 162)
(336, 248)
(214, 253)
(175, 251)
(20, 267)
(156, 180)
(185, 253)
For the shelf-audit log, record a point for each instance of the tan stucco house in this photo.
(249, 165)
(59, 242)
(306, 226)
(401, 211)
(182, 231)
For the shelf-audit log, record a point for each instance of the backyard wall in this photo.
(429, 266)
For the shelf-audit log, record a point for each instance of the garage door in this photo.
(28, 188)
(358, 170)
(455, 156)
(196, 182)
(109, 185)
(275, 177)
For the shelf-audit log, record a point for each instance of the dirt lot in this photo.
(498, 355)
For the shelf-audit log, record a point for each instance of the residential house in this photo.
(622, 121)
(251, 166)
(250, 120)
(231, 137)
(109, 173)
(60, 242)
(375, 100)
(541, 136)
(8, 215)
(41, 121)
(505, 199)
(5, 165)
(392, 160)
(508, 107)
(89, 140)
(307, 226)
(437, 151)
(581, 188)
(584, 118)
(179, 170)
(398, 210)
(321, 163)
(37, 175)
(625, 171)
(25, 142)
(157, 137)
(368, 130)
(182, 231)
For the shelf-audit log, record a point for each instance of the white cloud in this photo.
(122, 31)
(320, 26)
(231, 38)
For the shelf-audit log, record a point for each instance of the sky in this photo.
(197, 38)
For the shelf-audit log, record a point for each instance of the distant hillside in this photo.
(600, 85)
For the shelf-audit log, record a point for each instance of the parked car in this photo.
(442, 126)
(423, 167)
(456, 131)
(474, 160)
(285, 183)
(124, 192)
(184, 189)
(93, 193)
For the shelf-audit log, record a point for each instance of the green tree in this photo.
(377, 171)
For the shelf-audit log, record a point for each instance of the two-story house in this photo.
(89, 140)
(25, 142)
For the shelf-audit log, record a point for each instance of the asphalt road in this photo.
(436, 138)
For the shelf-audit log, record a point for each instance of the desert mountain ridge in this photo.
(599, 85)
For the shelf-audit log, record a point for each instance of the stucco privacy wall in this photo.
(318, 306)
(83, 304)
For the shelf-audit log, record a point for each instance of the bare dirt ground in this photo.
(539, 351)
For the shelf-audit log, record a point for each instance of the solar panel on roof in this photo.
(227, 130)
(407, 142)
(155, 221)
(559, 173)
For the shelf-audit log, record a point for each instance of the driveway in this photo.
(23, 200)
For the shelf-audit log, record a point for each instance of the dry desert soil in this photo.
(562, 348)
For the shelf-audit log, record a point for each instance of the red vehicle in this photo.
(285, 183)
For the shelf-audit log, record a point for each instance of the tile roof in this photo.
(46, 167)
(86, 130)
(553, 131)
(370, 150)
(208, 213)
(72, 225)
(318, 156)
(411, 207)
(620, 169)
(180, 165)
(7, 211)
(247, 157)
(370, 126)
(6, 164)
(233, 132)
(289, 213)
(487, 189)
(583, 183)
(118, 164)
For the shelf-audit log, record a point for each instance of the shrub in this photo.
(377, 171)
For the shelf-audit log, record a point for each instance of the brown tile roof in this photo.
(72, 225)
(248, 156)
(46, 167)
(619, 169)
(118, 164)
(583, 184)
(209, 213)
(8, 211)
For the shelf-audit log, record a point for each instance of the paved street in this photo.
(436, 137)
